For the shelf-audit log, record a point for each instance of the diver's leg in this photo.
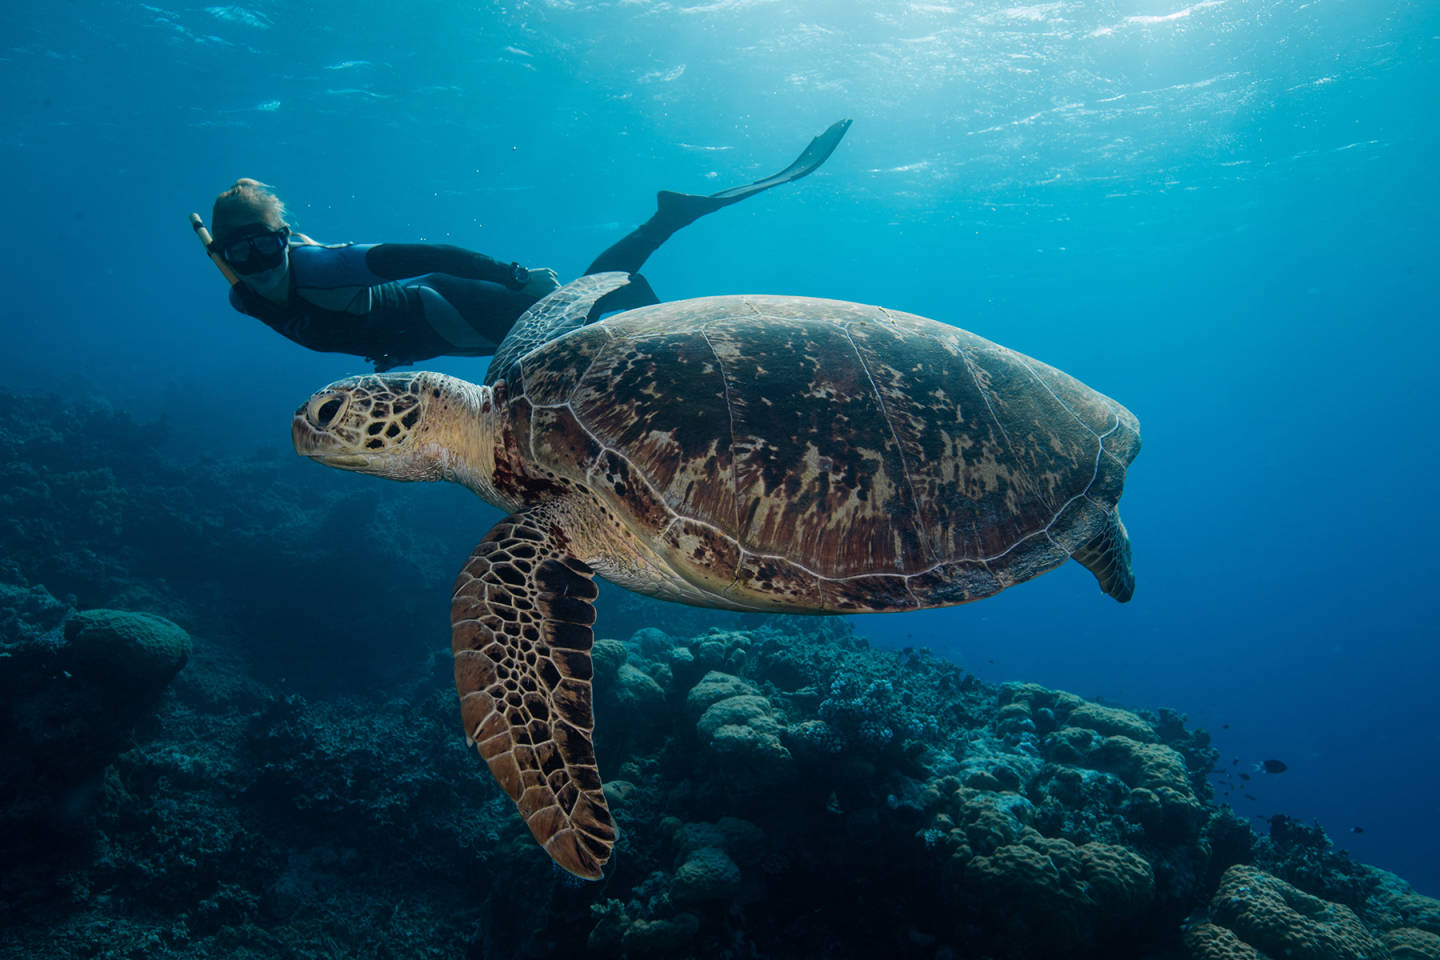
(676, 210)
(472, 316)
(631, 251)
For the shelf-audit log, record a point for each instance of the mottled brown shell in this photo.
(823, 454)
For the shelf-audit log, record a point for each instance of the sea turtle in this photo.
(745, 452)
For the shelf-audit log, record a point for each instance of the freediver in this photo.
(397, 303)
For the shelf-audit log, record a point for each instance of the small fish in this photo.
(1247, 796)
(1235, 761)
(1272, 766)
(1357, 829)
(1244, 776)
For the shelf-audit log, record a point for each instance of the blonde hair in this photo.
(246, 202)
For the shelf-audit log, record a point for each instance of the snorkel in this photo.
(262, 261)
(208, 242)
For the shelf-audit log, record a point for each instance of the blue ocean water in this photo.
(1220, 214)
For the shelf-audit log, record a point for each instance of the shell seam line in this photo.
(894, 435)
(675, 515)
(1099, 454)
(1024, 362)
(925, 543)
(591, 365)
(729, 410)
(568, 405)
(1009, 444)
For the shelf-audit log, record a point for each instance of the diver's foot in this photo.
(679, 209)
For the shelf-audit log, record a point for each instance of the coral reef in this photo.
(301, 787)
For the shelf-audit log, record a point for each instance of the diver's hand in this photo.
(542, 281)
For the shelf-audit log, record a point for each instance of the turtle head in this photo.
(397, 425)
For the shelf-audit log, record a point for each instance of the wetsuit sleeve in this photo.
(395, 261)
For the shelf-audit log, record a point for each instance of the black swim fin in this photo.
(676, 210)
(679, 209)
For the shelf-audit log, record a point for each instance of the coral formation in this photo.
(744, 735)
(1275, 919)
(707, 874)
(1411, 943)
(133, 655)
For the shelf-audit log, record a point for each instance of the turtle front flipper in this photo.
(520, 620)
(555, 314)
(1107, 555)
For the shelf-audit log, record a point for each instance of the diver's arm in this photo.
(250, 303)
(329, 331)
(395, 261)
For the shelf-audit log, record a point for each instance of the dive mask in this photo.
(255, 249)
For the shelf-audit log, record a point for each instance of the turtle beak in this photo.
(307, 440)
(309, 433)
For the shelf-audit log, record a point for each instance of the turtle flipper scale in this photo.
(558, 312)
(520, 631)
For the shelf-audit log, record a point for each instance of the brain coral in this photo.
(133, 653)
(1210, 941)
(1411, 943)
(1112, 721)
(1070, 890)
(1275, 919)
(714, 687)
(744, 731)
(707, 874)
(645, 938)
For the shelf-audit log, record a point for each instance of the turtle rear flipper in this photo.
(1107, 555)
(520, 620)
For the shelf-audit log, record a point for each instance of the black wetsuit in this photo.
(392, 303)
(396, 303)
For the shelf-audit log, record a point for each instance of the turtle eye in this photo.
(326, 409)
